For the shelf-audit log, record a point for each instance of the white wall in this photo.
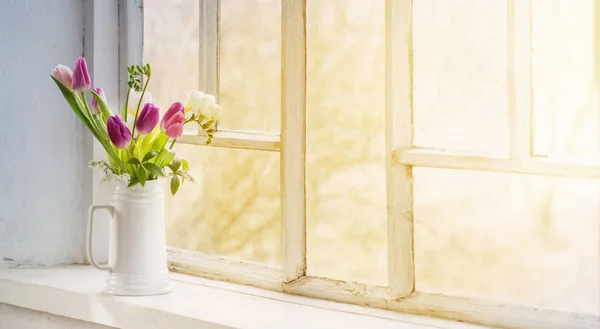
(45, 185)
(21, 318)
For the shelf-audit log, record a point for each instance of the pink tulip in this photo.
(81, 78)
(175, 108)
(63, 74)
(174, 125)
(119, 133)
(148, 118)
(95, 106)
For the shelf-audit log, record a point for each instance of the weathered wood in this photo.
(293, 139)
(476, 311)
(399, 134)
(209, 17)
(535, 165)
(224, 269)
(237, 140)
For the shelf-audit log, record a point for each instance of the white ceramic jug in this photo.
(138, 257)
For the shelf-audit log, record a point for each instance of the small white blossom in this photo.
(203, 104)
(109, 176)
(124, 178)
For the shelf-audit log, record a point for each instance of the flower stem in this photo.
(94, 120)
(124, 112)
(100, 134)
(138, 106)
(87, 113)
(173, 143)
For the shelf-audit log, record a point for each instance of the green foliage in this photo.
(154, 169)
(207, 125)
(146, 156)
(174, 184)
(135, 76)
(133, 161)
(174, 165)
(106, 112)
(142, 175)
(179, 173)
(79, 110)
(147, 159)
(149, 156)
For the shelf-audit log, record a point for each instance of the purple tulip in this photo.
(175, 108)
(174, 126)
(81, 78)
(148, 118)
(95, 106)
(64, 75)
(119, 133)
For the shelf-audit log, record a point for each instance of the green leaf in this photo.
(106, 112)
(133, 161)
(168, 158)
(130, 169)
(71, 100)
(149, 140)
(184, 164)
(142, 176)
(154, 169)
(159, 158)
(174, 184)
(149, 156)
(186, 176)
(133, 182)
(137, 147)
(159, 142)
(175, 165)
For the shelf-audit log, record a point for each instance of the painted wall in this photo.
(45, 187)
(21, 318)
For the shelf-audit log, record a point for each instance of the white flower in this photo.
(204, 104)
(123, 178)
(109, 176)
(134, 98)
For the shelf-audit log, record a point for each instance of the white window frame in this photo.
(401, 157)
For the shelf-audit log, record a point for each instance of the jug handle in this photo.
(88, 236)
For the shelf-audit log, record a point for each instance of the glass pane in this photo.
(233, 207)
(528, 240)
(171, 46)
(346, 210)
(250, 64)
(460, 92)
(565, 79)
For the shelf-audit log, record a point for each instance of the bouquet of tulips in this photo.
(137, 146)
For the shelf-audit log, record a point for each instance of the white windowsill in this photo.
(75, 292)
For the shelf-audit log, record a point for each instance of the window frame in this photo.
(401, 156)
